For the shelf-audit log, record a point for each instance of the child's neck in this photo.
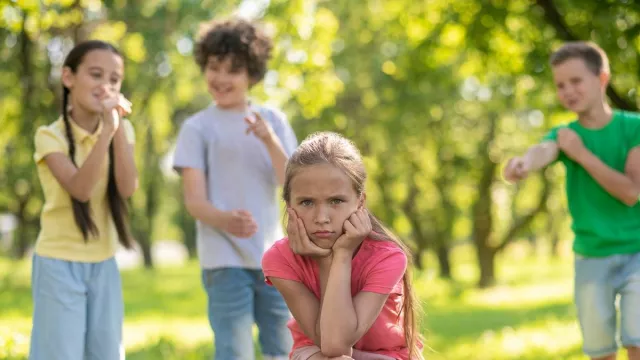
(239, 107)
(88, 121)
(596, 117)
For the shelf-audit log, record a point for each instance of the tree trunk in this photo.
(443, 252)
(486, 260)
(482, 212)
(151, 205)
(22, 236)
(188, 229)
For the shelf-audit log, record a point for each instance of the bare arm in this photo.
(345, 319)
(196, 199)
(623, 186)
(278, 158)
(303, 304)
(80, 182)
(541, 155)
(125, 169)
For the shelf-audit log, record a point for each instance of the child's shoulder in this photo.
(271, 113)
(280, 248)
(53, 129)
(377, 250)
(280, 254)
(199, 117)
(628, 116)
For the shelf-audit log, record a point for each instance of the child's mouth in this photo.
(222, 89)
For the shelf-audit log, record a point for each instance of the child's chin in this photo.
(324, 243)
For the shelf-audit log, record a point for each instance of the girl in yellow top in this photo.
(86, 169)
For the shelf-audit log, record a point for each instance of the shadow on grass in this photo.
(167, 349)
(462, 323)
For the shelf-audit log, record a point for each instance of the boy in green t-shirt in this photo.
(601, 153)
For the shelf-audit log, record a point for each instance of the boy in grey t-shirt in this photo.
(232, 158)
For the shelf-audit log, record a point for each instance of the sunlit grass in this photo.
(528, 315)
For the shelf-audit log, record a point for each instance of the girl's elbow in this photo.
(128, 191)
(336, 352)
(335, 348)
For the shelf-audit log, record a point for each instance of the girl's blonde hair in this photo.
(331, 148)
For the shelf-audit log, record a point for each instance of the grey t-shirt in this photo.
(239, 175)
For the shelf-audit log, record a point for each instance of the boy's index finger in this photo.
(250, 121)
(257, 115)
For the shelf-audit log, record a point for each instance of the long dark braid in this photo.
(81, 210)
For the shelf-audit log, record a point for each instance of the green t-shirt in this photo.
(602, 224)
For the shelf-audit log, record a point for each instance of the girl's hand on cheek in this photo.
(356, 228)
(299, 240)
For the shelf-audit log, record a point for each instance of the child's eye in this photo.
(306, 202)
(336, 201)
(96, 75)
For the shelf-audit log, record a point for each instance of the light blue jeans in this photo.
(237, 298)
(598, 281)
(78, 310)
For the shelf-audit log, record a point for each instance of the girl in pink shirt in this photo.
(343, 275)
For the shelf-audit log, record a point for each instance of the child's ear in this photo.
(604, 79)
(363, 201)
(67, 77)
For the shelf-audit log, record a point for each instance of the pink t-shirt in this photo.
(377, 267)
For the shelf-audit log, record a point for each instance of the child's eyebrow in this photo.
(95, 68)
(301, 197)
(309, 197)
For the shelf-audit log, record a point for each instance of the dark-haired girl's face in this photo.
(324, 197)
(98, 76)
(227, 85)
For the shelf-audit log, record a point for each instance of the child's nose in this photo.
(321, 215)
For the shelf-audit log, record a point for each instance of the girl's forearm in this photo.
(338, 320)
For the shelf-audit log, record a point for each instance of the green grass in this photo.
(528, 315)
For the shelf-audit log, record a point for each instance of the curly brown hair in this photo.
(248, 46)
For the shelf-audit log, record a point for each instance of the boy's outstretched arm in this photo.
(623, 186)
(541, 155)
(536, 158)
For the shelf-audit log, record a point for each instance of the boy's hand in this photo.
(517, 169)
(259, 127)
(299, 240)
(356, 228)
(239, 223)
(571, 144)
